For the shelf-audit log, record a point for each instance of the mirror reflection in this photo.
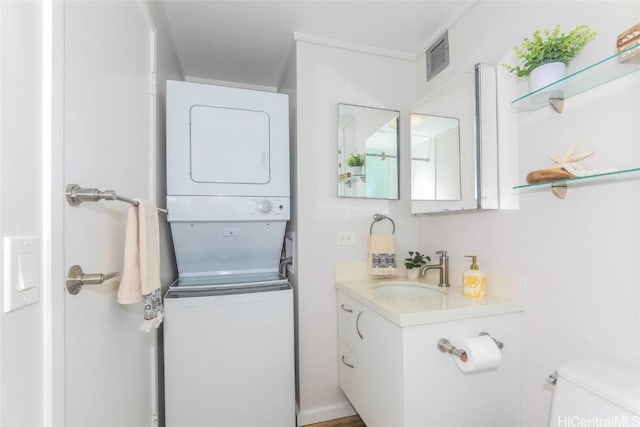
(367, 152)
(435, 158)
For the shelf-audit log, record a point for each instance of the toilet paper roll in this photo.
(482, 354)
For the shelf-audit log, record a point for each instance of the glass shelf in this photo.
(594, 75)
(559, 186)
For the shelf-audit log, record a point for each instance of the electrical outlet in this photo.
(345, 238)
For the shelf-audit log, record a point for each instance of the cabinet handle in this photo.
(348, 310)
(358, 325)
(346, 364)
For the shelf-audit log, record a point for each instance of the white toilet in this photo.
(594, 393)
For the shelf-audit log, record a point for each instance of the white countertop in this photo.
(411, 311)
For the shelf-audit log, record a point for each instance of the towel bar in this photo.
(379, 217)
(76, 279)
(75, 195)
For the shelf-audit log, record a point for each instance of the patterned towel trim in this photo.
(153, 311)
(383, 260)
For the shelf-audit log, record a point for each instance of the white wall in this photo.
(327, 76)
(578, 257)
(21, 193)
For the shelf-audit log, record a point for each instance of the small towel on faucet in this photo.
(141, 270)
(382, 255)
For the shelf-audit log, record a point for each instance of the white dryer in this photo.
(228, 333)
(226, 142)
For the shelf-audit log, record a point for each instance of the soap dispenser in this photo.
(474, 281)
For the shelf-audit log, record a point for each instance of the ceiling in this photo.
(250, 41)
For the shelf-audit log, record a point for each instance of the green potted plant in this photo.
(356, 161)
(545, 55)
(414, 262)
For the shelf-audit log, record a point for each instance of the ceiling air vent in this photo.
(438, 56)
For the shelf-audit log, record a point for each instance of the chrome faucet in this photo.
(442, 267)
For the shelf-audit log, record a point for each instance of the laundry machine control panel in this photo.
(271, 206)
(196, 208)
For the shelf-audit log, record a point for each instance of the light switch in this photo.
(21, 272)
(26, 268)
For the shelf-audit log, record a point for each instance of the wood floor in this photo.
(353, 421)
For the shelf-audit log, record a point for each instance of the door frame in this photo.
(53, 228)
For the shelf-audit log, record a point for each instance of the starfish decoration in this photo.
(569, 156)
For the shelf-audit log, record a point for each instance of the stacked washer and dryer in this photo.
(228, 332)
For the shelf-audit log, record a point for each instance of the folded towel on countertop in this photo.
(141, 271)
(382, 255)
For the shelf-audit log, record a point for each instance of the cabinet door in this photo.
(432, 380)
(350, 314)
(381, 362)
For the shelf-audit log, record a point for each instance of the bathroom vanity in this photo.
(391, 369)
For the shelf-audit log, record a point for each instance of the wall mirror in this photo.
(454, 147)
(367, 152)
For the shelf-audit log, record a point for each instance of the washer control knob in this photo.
(264, 206)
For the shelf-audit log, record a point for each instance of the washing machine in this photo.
(228, 330)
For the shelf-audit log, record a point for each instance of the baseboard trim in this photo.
(326, 413)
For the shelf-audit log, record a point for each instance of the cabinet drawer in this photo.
(350, 315)
(349, 373)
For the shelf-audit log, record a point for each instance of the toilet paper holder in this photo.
(445, 346)
(499, 344)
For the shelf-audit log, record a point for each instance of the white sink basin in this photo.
(408, 289)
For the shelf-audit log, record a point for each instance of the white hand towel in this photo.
(141, 270)
(130, 291)
(382, 255)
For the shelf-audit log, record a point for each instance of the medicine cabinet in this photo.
(454, 145)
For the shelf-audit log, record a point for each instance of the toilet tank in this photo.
(590, 392)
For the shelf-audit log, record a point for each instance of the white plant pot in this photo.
(413, 273)
(546, 74)
(356, 170)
